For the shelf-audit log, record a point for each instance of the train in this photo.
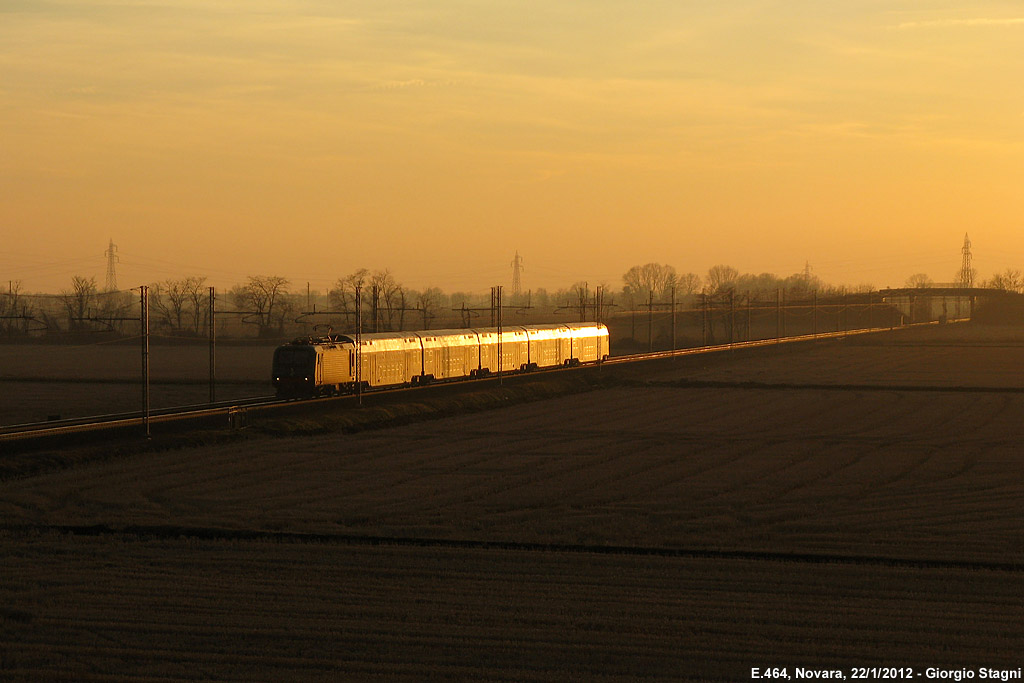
(326, 366)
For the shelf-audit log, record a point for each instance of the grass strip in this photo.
(419, 406)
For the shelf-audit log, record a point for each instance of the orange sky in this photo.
(308, 138)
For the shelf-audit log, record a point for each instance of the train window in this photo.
(295, 357)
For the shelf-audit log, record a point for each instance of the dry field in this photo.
(861, 503)
(962, 355)
(41, 380)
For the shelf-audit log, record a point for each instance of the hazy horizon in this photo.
(126, 279)
(310, 139)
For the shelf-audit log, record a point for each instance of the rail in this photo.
(130, 419)
(773, 341)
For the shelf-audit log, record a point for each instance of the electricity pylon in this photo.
(517, 280)
(112, 259)
(965, 278)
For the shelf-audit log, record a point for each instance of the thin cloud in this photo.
(414, 83)
(942, 23)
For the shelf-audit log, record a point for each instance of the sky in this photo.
(309, 138)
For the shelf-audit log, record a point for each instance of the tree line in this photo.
(660, 282)
(269, 302)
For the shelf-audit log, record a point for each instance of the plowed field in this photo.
(845, 504)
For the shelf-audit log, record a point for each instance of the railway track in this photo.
(116, 421)
(714, 348)
(228, 414)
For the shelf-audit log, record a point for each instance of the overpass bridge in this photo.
(920, 304)
(949, 292)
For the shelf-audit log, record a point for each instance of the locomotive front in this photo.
(294, 370)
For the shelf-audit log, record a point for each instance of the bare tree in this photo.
(687, 285)
(78, 300)
(390, 296)
(9, 302)
(581, 297)
(180, 304)
(919, 280)
(763, 284)
(803, 283)
(389, 293)
(262, 295)
(13, 308)
(1010, 280)
(429, 301)
(343, 295)
(114, 308)
(8, 306)
(649, 278)
(722, 278)
(198, 297)
(966, 279)
(167, 299)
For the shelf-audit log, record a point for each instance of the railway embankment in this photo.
(345, 415)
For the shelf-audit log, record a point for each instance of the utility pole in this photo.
(583, 302)
(144, 324)
(650, 320)
(842, 309)
(704, 318)
(143, 321)
(468, 313)
(748, 337)
(814, 312)
(497, 295)
(212, 324)
(673, 318)
(782, 311)
(359, 344)
(375, 308)
(112, 260)
(732, 317)
(778, 314)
